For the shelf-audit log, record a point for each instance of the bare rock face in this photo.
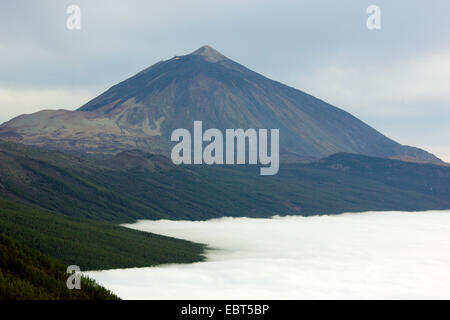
(142, 111)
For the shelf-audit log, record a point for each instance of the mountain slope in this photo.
(92, 245)
(134, 185)
(142, 111)
(428, 179)
(27, 274)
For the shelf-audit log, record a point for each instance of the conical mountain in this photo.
(142, 111)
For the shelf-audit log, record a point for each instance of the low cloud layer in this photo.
(392, 255)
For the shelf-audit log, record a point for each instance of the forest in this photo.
(27, 274)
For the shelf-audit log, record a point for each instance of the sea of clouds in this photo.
(371, 255)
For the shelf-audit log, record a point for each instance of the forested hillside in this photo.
(92, 244)
(134, 185)
(27, 274)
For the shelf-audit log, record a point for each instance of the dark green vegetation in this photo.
(91, 244)
(142, 112)
(429, 180)
(28, 274)
(134, 185)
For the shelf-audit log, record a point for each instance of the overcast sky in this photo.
(396, 79)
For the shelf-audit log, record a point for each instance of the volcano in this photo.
(142, 112)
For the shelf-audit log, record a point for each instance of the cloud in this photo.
(408, 100)
(418, 85)
(391, 255)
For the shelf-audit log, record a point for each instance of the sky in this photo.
(372, 255)
(396, 79)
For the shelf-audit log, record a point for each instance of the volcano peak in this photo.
(210, 54)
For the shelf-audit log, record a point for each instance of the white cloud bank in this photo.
(392, 255)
